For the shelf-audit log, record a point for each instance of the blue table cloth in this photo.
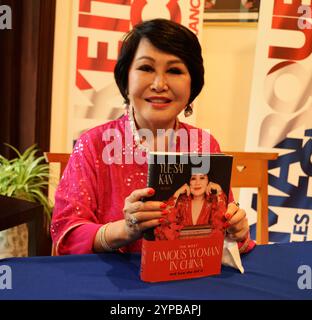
(271, 272)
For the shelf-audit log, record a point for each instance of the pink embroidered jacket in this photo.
(104, 168)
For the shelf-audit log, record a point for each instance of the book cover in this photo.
(189, 241)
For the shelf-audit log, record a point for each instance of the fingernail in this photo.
(151, 191)
(228, 216)
(161, 220)
(226, 225)
(165, 212)
(163, 205)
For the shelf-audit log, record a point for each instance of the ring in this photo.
(132, 220)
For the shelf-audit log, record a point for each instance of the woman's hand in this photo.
(184, 189)
(213, 186)
(237, 226)
(139, 215)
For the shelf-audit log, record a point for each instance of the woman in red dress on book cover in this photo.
(202, 202)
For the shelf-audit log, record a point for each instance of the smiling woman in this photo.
(201, 202)
(99, 204)
(159, 87)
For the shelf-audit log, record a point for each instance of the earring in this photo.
(188, 111)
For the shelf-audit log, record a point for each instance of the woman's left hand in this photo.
(237, 226)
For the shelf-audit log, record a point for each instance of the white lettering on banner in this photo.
(5, 17)
(301, 227)
(304, 281)
(5, 277)
(275, 126)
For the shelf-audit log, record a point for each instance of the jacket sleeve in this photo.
(74, 221)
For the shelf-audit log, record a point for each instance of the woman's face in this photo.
(198, 184)
(159, 86)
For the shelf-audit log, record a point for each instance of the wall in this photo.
(224, 102)
(60, 87)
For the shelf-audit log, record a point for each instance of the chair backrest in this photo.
(61, 158)
(250, 169)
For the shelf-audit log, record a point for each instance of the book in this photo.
(188, 243)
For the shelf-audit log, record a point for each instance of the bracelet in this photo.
(103, 241)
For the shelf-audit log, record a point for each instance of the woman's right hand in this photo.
(213, 186)
(140, 216)
(184, 189)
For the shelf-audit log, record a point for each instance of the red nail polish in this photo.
(163, 205)
(228, 216)
(151, 191)
(226, 225)
(161, 220)
(165, 212)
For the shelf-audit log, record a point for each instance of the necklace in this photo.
(139, 142)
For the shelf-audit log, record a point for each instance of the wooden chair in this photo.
(250, 169)
(61, 158)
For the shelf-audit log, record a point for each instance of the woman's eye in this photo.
(146, 68)
(175, 71)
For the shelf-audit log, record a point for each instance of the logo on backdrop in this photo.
(284, 106)
(293, 195)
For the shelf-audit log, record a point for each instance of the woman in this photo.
(98, 204)
(201, 202)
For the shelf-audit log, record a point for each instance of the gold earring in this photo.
(188, 111)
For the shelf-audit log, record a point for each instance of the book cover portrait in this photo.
(189, 241)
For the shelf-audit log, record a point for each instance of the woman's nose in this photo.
(159, 84)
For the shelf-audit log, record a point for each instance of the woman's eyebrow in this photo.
(145, 57)
(173, 61)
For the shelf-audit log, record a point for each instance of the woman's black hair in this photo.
(169, 37)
